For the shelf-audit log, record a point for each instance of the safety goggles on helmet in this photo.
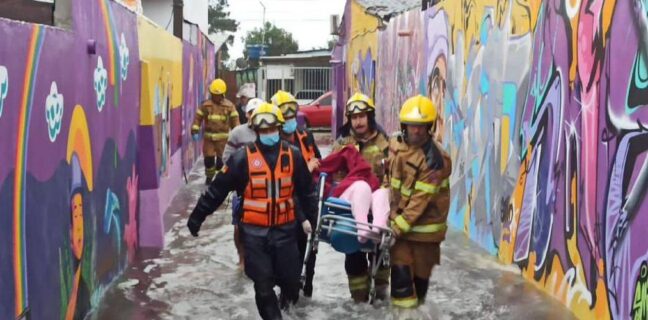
(265, 120)
(356, 107)
(289, 109)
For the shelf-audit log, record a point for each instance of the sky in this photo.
(307, 20)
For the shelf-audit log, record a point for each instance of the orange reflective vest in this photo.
(267, 200)
(307, 150)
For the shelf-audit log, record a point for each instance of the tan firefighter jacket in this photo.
(218, 120)
(420, 195)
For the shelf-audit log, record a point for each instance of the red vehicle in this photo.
(318, 113)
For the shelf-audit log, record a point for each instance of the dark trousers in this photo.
(273, 259)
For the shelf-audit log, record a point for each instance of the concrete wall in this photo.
(71, 156)
(543, 108)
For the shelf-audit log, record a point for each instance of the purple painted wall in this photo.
(69, 175)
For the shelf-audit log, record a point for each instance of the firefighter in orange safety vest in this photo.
(418, 173)
(269, 173)
(219, 116)
(303, 139)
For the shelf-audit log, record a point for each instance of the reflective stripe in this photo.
(285, 181)
(199, 112)
(372, 149)
(410, 302)
(426, 187)
(216, 136)
(402, 223)
(234, 114)
(217, 117)
(211, 170)
(358, 283)
(195, 127)
(430, 228)
(406, 192)
(256, 204)
(383, 273)
(445, 183)
(257, 181)
(395, 183)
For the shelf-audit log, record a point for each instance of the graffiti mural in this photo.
(361, 54)
(402, 61)
(546, 131)
(70, 178)
(542, 107)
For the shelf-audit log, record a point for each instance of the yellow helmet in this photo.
(418, 110)
(266, 116)
(359, 103)
(286, 103)
(218, 86)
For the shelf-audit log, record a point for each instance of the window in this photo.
(49, 12)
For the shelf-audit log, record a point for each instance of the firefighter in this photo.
(219, 116)
(365, 135)
(268, 173)
(302, 139)
(418, 173)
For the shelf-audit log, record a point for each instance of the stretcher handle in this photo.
(311, 245)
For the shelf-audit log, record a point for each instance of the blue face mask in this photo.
(269, 139)
(290, 126)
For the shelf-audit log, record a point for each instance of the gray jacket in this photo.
(238, 137)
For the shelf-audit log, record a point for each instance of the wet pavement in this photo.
(199, 278)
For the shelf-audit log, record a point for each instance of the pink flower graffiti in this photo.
(130, 232)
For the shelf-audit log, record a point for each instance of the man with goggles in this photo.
(303, 139)
(270, 174)
(363, 133)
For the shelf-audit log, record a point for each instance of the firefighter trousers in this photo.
(411, 268)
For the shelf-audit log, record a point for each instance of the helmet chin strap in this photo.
(430, 132)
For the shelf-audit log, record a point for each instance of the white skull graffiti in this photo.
(4, 86)
(54, 112)
(100, 83)
(124, 55)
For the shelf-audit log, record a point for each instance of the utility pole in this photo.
(263, 30)
(178, 18)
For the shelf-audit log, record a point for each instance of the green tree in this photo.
(220, 21)
(278, 40)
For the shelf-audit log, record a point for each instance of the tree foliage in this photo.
(278, 40)
(220, 21)
(219, 17)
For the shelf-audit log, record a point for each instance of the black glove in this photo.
(194, 226)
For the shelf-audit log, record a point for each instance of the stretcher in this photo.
(337, 227)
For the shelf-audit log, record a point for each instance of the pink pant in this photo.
(362, 200)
